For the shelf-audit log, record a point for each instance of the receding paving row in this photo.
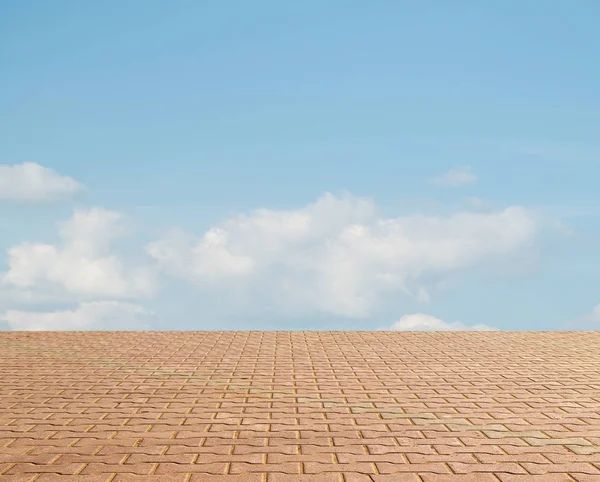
(300, 406)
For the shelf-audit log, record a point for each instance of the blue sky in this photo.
(183, 116)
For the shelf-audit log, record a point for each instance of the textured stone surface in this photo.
(299, 406)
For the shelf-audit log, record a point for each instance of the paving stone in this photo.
(299, 406)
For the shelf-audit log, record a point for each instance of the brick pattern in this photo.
(299, 407)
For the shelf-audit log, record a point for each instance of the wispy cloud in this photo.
(31, 183)
(459, 176)
(588, 322)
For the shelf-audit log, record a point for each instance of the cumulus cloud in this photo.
(30, 182)
(338, 256)
(422, 322)
(81, 264)
(456, 177)
(96, 315)
(208, 260)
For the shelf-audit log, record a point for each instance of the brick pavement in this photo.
(299, 406)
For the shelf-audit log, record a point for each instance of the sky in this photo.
(267, 165)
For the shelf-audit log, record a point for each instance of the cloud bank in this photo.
(338, 256)
(96, 315)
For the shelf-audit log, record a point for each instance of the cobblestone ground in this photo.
(299, 406)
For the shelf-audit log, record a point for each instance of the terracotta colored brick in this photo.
(535, 458)
(278, 458)
(274, 477)
(67, 469)
(573, 467)
(392, 458)
(207, 468)
(390, 478)
(245, 468)
(327, 449)
(538, 478)
(68, 478)
(466, 458)
(148, 478)
(582, 477)
(505, 467)
(459, 478)
(433, 467)
(320, 468)
(226, 478)
(18, 478)
(100, 468)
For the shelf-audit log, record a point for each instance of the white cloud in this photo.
(337, 256)
(103, 315)
(30, 182)
(458, 176)
(209, 259)
(80, 264)
(421, 322)
(587, 322)
(476, 203)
